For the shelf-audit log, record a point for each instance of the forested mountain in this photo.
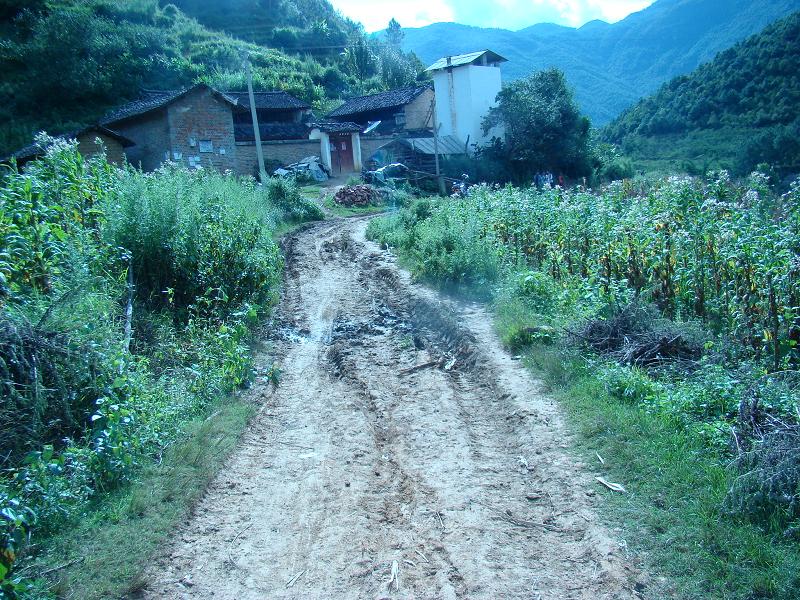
(312, 24)
(66, 62)
(612, 65)
(740, 109)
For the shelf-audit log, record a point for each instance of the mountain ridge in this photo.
(611, 65)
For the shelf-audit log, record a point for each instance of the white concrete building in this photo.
(466, 87)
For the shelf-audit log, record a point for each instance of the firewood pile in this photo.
(357, 195)
(638, 336)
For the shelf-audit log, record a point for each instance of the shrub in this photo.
(285, 196)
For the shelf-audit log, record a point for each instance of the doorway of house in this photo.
(342, 153)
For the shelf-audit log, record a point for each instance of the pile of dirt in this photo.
(357, 195)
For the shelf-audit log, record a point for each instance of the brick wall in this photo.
(370, 144)
(196, 119)
(88, 146)
(281, 152)
(150, 133)
(418, 112)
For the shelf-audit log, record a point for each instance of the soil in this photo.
(402, 440)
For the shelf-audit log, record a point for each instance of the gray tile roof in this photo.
(465, 59)
(273, 100)
(380, 101)
(34, 150)
(155, 99)
(337, 127)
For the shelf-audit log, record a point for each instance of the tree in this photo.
(394, 33)
(361, 60)
(543, 125)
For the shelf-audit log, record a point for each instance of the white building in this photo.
(466, 87)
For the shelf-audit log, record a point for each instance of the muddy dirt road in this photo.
(404, 455)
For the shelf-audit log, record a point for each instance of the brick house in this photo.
(386, 116)
(203, 127)
(110, 142)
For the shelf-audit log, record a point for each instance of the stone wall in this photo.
(282, 152)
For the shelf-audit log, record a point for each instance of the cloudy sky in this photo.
(508, 14)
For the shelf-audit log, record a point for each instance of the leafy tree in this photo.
(361, 60)
(543, 126)
(394, 33)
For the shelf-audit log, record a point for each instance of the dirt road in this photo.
(404, 455)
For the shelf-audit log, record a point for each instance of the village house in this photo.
(466, 88)
(399, 124)
(203, 127)
(91, 141)
(386, 116)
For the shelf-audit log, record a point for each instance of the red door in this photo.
(342, 153)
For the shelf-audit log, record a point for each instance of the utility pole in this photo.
(439, 177)
(259, 150)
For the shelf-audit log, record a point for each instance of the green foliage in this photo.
(753, 85)
(66, 63)
(200, 242)
(543, 126)
(294, 207)
(715, 251)
(84, 408)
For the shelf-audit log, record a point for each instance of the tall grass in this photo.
(92, 390)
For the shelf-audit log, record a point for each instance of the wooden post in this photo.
(439, 177)
(259, 150)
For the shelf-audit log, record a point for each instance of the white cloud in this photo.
(376, 14)
(509, 14)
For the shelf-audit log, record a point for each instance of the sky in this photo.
(507, 14)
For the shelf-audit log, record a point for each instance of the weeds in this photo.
(84, 411)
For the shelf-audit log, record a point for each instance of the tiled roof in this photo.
(465, 59)
(380, 101)
(273, 100)
(34, 150)
(336, 127)
(155, 99)
(243, 132)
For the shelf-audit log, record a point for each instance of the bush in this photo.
(284, 195)
(199, 242)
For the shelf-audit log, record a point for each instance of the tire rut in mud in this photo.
(400, 434)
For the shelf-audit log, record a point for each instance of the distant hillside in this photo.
(276, 23)
(738, 110)
(612, 65)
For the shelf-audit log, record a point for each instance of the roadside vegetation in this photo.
(665, 314)
(128, 304)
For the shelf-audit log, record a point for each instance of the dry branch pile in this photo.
(637, 335)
